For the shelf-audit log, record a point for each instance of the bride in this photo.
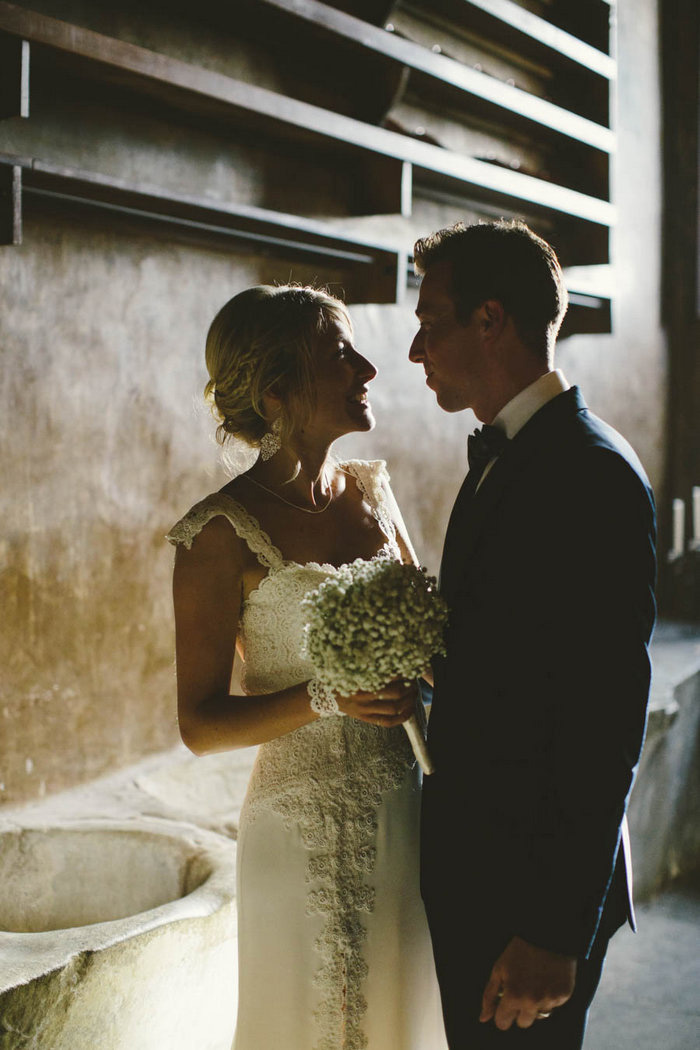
(334, 950)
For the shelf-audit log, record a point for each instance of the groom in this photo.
(539, 707)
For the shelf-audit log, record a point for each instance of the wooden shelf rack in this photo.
(228, 101)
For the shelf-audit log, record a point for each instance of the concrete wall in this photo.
(104, 446)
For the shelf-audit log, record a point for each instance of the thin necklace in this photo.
(289, 503)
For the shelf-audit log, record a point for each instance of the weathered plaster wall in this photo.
(101, 336)
(103, 447)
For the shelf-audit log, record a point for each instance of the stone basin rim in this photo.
(26, 956)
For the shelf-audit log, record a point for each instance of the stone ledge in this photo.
(174, 785)
(664, 808)
(675, 650)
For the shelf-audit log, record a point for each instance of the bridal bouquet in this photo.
(371, 622)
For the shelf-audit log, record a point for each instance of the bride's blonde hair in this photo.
(262, 341)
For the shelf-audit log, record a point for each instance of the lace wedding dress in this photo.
(334, 949)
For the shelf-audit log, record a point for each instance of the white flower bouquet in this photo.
(372, 622)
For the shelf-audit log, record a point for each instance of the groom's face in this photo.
(449, 350)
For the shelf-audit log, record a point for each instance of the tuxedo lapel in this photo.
(474, 509)
(457, 526)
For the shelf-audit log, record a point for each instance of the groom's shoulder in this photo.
(580, 455)
(599, 443)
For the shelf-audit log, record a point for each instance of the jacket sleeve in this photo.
(586, 666)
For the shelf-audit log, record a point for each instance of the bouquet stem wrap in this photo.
(416, 735)
(371, 623)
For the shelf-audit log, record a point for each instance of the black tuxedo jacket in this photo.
(539, 706)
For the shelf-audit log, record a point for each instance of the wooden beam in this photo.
(452, 74)
(591, 280)
(374, 11)
(533, 28)
(10, 204)
(586, 316)
(458, 175)
(385, 283)
(223, 98)
(14, 77)
(373, 268)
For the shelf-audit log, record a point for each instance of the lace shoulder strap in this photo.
(372, 478)
(247, 527)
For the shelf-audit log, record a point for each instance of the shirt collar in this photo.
(523, 406)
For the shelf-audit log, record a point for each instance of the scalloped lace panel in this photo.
(246, 526)
(326, 779)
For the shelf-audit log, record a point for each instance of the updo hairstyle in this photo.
(262, 341)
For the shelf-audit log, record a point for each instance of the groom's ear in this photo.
(492, 318)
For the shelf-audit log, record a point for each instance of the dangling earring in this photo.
(270, 443)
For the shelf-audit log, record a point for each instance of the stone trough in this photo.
(117, 935)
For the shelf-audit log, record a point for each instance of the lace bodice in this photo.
(326, 778)
(272, 622)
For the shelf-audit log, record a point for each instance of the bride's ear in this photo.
(272, 405)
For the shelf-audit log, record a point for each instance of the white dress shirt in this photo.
(523, 406)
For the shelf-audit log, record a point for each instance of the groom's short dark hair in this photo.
(505, 261)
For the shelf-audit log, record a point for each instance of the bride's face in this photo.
(341, 377)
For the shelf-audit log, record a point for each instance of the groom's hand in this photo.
(526, 983)
(389, 707)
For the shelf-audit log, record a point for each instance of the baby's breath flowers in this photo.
(372, 622)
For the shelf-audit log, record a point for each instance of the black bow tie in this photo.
(483, 445)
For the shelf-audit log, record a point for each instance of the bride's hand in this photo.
(391, 706)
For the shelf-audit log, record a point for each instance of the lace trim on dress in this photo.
(246, 526)
(372, 479)
(327, 780)
(322, 699)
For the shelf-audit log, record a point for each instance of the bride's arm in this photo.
(207, 594)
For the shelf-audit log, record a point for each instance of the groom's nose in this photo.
(416, 351)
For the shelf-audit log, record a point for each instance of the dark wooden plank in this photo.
(108, 188)
(10, 204)
(278, 115)
(384, 283)
(589, 21)
(553, 37)
(509, 190)
(450, 73)
(374, 11)
(14, 77)
(591, 281)
(586, 316)
(529, 28)
(384, 187)
(591, 290)
(373, 269)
